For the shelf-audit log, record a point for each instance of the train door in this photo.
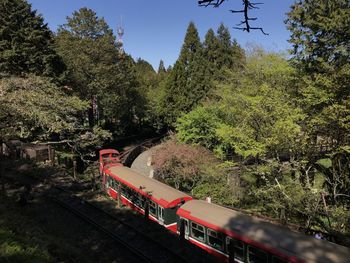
(187, 228)
(235, 250)
(183, 228)
(230, 250)
(106, 181)
(160, 215)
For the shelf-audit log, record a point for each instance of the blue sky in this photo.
(155, 29)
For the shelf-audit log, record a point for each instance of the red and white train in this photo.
(230, 235)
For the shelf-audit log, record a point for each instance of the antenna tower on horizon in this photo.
(120, 32)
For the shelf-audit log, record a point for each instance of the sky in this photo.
(155, 29)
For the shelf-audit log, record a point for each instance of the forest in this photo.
(265, 132)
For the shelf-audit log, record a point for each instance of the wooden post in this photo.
(53, 161)
(74, 169)
(49, 153)
(93, 180)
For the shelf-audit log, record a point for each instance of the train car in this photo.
(108, 157)
(236, 237)
(157, 201)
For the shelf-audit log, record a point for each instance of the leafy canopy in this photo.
(26, 43)
(254, 115)
(35, 108)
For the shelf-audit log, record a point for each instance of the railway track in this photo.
(148, 242)
(141, 245)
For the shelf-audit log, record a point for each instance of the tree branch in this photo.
(215, 3)
(247, 5)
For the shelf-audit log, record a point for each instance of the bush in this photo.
(180, 165)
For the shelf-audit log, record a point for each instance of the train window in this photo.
(197, 231)
(237, 246)
(153, 208)
(142, 201)
(114, 184)
(126, 191)
(107, 181)
(215, 239)
(134, 197)
(256, 255)
(123, 189)
(278, 260)
(160, 213)
(110, 182)
(138, 199)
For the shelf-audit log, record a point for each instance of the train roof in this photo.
(274, 236)
(104, 151)
(161, 193)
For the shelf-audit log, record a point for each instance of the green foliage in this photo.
(148, 81)
(231, 55)
(34, 107)
(211, 52)
(97, 70)
(83, 144)
(87, 46)
(161, 67)
(220, 183)
(336, 171)
(26, 43)
(320, 33)
(199, 127)
(123, 104)
(254, 116)
(16, 248)
(188, 82)
(222, 54)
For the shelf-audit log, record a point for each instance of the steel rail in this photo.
(88, 219)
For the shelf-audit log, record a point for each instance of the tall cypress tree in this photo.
(211, 52)
(187, 83)
(231, 55)
(161, 67)
(221, 53)
(26, 43)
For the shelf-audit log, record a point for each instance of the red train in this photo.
(228, 234)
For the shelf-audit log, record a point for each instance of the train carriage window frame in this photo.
(198, 229)
(252, 251)
(125, 191)
(109, 181)
(238, 246)
(138, 200)
(114, 184)
(153, 205)
(215, 239)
